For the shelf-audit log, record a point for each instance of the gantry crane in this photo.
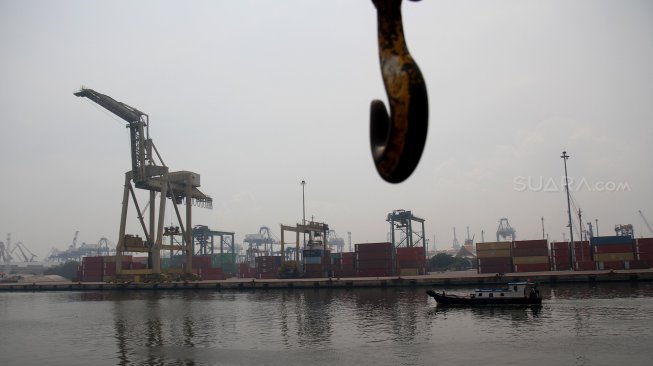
(402, 221)
(505, 231)
(153, 176)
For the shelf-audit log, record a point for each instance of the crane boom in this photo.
(120, 109)
(138, 120)
(646, 222)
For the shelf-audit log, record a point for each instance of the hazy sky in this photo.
(258, 95)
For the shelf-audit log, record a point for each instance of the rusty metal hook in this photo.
(397, 139)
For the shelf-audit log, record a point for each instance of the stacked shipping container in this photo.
(109, 266)
(560, 256)
(245, 270)
(613, 252)
(317, 263)
(494, 257)
(374, 259)
(346, 267)
(530, 256)
(268, 266)
(644, 253)
(91, 269)
(411, 261)
(582, 256)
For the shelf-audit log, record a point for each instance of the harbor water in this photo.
(578, 324)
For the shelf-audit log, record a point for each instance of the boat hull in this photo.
(458, 300)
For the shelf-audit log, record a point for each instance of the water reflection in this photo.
(399, 324)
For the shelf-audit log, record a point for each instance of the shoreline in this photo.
(443, 279)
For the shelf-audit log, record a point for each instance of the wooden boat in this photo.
(516, 293)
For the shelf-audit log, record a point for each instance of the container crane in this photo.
(505, 231)
(149, 174)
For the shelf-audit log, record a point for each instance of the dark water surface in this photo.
(581, 324)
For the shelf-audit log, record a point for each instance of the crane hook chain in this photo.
(397, 139)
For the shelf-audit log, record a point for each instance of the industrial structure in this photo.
(648, 226)
(624, 230)
(75, 252)
(505, 231)
(336, 243)
(401, 223)
(455, 244)
(16, 253)
(260, 244)
(152, 175)
(204, 239)
(317, 239)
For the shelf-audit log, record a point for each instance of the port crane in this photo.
(22, 249)
(505, 231)
(150, 173)
(650, 229)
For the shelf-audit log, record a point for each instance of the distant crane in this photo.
(154, 176)
(335, 241)
(469, 242)
(455, 244)
(265, 238)
(5, 256)
(74, 245)
(650, 230)
(22, 249)
(505, 231)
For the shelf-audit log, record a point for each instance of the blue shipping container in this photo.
(605, 240)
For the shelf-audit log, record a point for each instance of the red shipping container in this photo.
(644, 247)
(530, 244)
(137, 265)
(645, 256)
(349, 256)
(414, 253)
(611, 265)
(499, 261)
(92, 259)
(212, 274)
(585, 265)
(640, 264)
(373, 272)
(495, 269)
(529, 252)
(613, 248)
(344, 273)
(410, 264)
(373, 255)
(374, 264)
(560, 246)
(539, 267)
(374, 247)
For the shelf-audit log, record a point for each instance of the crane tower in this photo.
(505, 230)
(148, 174)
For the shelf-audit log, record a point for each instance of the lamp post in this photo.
(303, 183)
(564, 156)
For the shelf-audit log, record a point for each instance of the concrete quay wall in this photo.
(440, 280)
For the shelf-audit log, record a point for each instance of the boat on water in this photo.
(516, 293)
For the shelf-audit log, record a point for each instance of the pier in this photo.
(444, 279)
